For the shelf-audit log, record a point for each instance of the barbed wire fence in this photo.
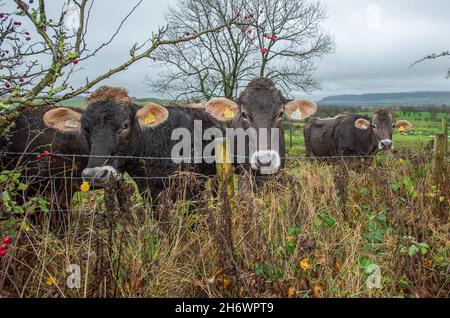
(218, 215)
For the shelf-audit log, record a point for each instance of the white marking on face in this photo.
(101, 175)
(267, 162)
(386, 143)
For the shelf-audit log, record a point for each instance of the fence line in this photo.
(194, 158)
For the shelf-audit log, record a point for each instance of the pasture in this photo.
(315, 230)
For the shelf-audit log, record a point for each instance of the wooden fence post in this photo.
(224, 166)
(445, 131)
(439, 157)
(290, 138)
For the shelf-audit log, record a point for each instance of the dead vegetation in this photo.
(293, 237)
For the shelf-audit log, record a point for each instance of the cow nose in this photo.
(386, 144)
(266, 162)
(265, 159)
(99, 176)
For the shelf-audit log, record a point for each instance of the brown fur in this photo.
(110, 94)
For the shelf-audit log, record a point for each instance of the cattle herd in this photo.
(113, 136)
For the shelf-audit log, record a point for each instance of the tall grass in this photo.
(315, 230)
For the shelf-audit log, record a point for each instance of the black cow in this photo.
(351, 135)
(124, 137)
(43, 155)
(258, 136)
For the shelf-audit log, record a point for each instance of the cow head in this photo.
(111, 124)
(382, 125)
(262, 106)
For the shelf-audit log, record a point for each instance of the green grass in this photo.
(425, 126)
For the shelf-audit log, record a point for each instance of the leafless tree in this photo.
(434, 56)
(278, 39)
(36, 64)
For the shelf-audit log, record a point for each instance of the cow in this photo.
(261, 109)
(45, 158)
(350, 135)
(124, 137)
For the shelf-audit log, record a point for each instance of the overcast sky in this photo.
(376, 41)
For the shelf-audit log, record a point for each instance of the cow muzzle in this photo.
(266, 162)
(386, 144)
(100, 176)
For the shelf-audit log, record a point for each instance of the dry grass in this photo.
(297, 236)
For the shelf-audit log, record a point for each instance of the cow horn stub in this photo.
(105, 94)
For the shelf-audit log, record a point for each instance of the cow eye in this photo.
(125, 126)
(374, 126)
(245, 116)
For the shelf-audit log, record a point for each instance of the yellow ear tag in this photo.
(228, 113)
(85, 187)
(150, 119)
(297, 115)
(401, 129)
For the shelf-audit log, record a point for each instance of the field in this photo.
(425, 126)
(316, 230)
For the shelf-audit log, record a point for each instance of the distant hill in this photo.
(79, 101)
(389, 99)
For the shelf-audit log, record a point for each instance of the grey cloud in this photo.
(370, 57)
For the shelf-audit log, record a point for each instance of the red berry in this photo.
(27, 33)
(7, 85)
(238, 14)
(7, 240)
(28, 38)
(249, 30)
(3, 247)
(75, 61)
(21, 80)
(46, 153)
(246, 17)
(38, 156)
(2, 253)
(264, 51)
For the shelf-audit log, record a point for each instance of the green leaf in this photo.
(259, 270)
(317, 222)
(294, 231)
(328, 219)
(412, 250)
(364, 262)
(42, 204)
(364, 191)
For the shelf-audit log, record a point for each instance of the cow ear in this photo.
(403, 125)
(362, 124)
(152, 115)
(63, 119)
(299, 109)
(222, 109)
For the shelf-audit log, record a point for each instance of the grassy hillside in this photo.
(80, 102)
(390, 99)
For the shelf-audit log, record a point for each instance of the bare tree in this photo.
(37, 64)
(271, 38)
(434, 56)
